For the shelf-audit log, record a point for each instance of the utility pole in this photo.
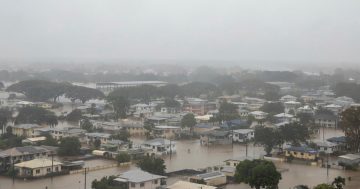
(170, 150)
(13, 170)
(52, 165)
(85, 179)
(246, 149)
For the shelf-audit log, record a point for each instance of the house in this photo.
(243, 135)
(34, 140)
(326, 146)
(135, 129)
(243, 113)
(212, 179)
(59, 133)
(259, 115)
(305, 110)
(302, 152)
(20, 154)
(138, 179)
(25, 130)
(336, 109)
(291, 106)
(349, 160)
(343, 101)
(288, 98)
(326, 120)
(254, 103)
(142, 110)
(189, 185)
(198, 106)
(204, 127)
(37, 168)
(115, 145)
(283, 117)
(103, 137)
(22, 104)
(168, 132)
(215, 137)
(160, 146)
(235, 123)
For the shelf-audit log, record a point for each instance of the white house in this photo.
(288, 98)
(259, 115)
(291, 105)
(160, 146)
(189, 185)
(37, 168)
(243, 135)
(164, 131)
(138, 179)
(103, 137)
(283, 117)
(142, 110)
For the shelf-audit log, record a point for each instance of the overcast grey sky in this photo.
(236, 30)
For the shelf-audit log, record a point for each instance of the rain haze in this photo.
(269, 32)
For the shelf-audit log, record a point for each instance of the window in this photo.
(142, 184)
(57, 169)
(132, 185)
(48, 170)
(227, 163)
(156, 181)
(37, 171)
(235, 164)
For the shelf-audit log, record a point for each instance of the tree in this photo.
(273, 108)
(87, 125)
(5, 116)
(120, 104)
(74, 115)
(169, 102)
(49, 141)
(36, 115)
(350, 124)
(69, 146)
(258, 174)
(97, 143)
(267, 137)
(152, 165)
(123, 157)
(107, 183)
(228, 111)
(123, 135)
(2, 85)
(339, 182)
(189, 121)
(324, 186)
(294, 133)
(83, 93)
(305, 118)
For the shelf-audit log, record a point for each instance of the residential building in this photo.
(103, 137)
(135, 129)
(34, 140)
(160, 146)
(259, 115)
(336, 109)
(198, 106)
(302, 152)
(212, 179)
(189, 185)
(243, 135)
(59, 133)
(25, 130)
(37, 168)
(326, 120)
(287, 98)
(283, 117)
(138, 179)
(20, 154)
(349, 160)
(168, 132)
(142, 110)
(204, 127)
(215, 137)
(291, 106)
(327, 147)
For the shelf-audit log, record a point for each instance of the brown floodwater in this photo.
(198, 157)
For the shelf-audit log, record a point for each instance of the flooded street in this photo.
(198, 157)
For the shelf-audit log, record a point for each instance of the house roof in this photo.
(158, 142)
(283, 115)
(100, 135)
(189, 185)
(18, 151)
(26, 126)
(341, 139)
(302, 149)
(243, 131)
(325, 117)
(37, 163)
(137, 176)
(217, 133)
(166, 127)
(211, 175)
(35, 139)
(350, 156)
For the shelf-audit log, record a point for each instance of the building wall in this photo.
(147, 185)
(216, 181)
(300, 155)
(38, 172)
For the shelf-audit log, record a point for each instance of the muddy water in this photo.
(198, 157)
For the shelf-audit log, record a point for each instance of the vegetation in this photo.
(267, 137)
(69, 146)
(351, 90)
(83, 93)
(120, 104)
(152, 165)
(123, 135)
(74, 116)
(36, 115)
(258, 174)
(324, 186)
(273, 108)
(294, 133)
(228, 111)
(350, 124)
(106, 183)
(87, 125)
(123, 157)
(49, 141)
(189, 121)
